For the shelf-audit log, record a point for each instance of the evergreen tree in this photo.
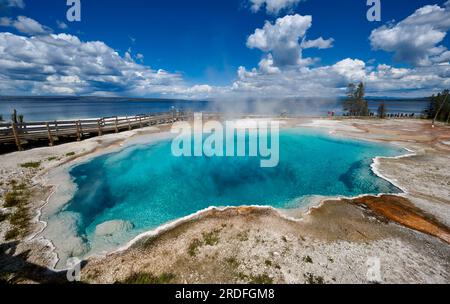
(355, 104)
(439, 108)
(382, 110)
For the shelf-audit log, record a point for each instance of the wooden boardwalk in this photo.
(20, 134)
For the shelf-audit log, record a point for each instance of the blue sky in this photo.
(204, 48)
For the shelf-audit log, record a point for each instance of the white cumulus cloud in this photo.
(273, 6)
(417, 38)
(331, 80)
(63, 64)
(42, 63)
(283, 40)
(319, 43)
(25, 25)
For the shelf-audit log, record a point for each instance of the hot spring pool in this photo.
(142, 187)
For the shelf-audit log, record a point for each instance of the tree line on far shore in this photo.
(356, 105)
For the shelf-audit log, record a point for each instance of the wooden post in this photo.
(78, 131)
(100, 132)
(129, 124)
(50, 137)
(56, 128)
(140, 122)
(116, 124)
(81, 128)
(16, 136)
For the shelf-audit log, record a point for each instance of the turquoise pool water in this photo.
(146, 186)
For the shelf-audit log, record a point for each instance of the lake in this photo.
(60, 108)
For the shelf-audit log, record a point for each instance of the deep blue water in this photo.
(146, 186)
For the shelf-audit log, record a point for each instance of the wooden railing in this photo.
(51, 131)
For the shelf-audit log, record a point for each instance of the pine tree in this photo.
(382, 110)
(439, 108)
(355, 104)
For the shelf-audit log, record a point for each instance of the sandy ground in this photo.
(334, 243)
